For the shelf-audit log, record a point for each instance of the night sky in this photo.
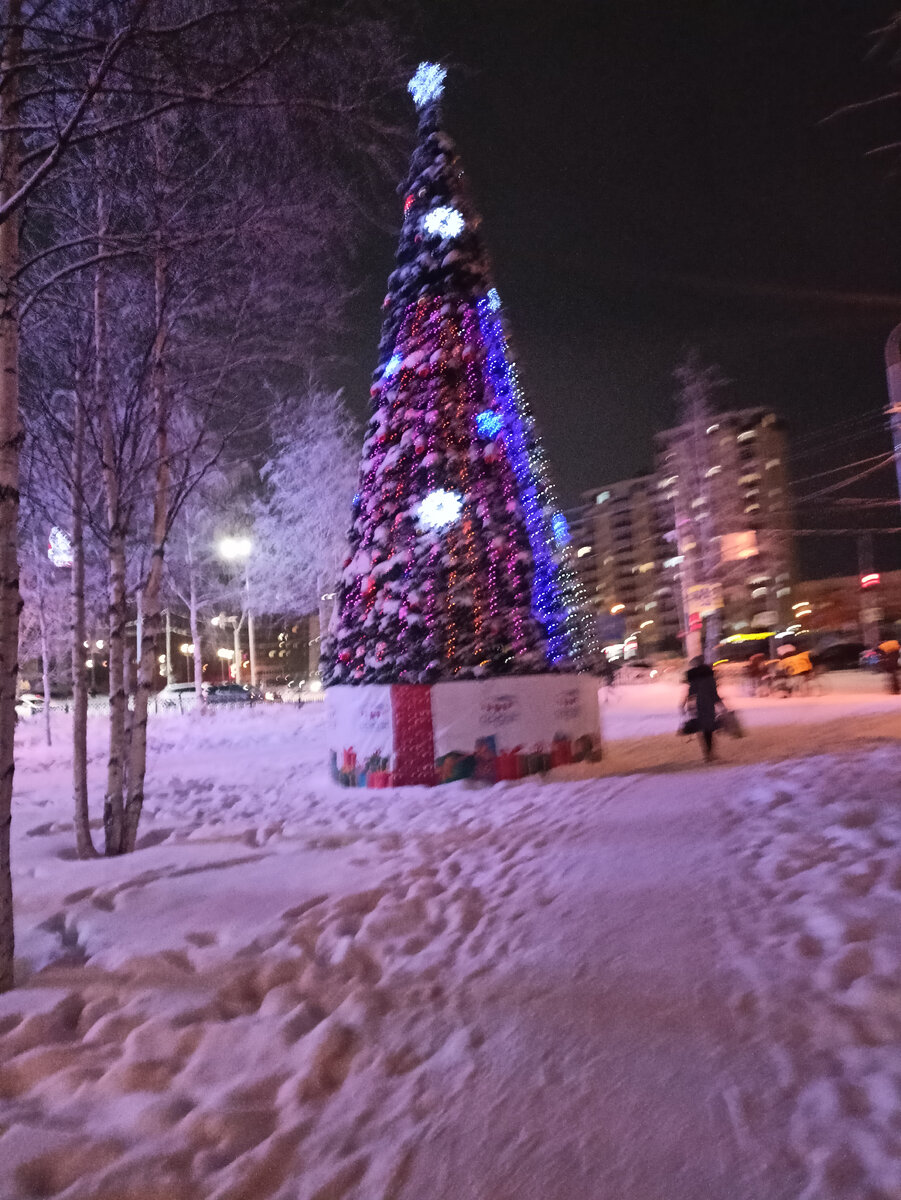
(654, 176)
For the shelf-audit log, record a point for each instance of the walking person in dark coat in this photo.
(702, 701)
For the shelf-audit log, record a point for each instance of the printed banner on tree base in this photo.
(491, 729)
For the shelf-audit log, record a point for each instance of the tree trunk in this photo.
(152, 591)
(113, 809)
(83, 840)
(45, 662)
(10, 444)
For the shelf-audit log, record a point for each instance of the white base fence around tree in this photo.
(386, 735)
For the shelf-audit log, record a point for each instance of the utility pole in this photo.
(870, 611)
(251, 638)
(237, 628)
(893, 411)
(170, 674)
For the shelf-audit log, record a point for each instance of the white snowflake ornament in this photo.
(440, 509)
(443, 222)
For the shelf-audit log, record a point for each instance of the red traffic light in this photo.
(871, 580)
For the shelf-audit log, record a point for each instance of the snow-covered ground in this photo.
(661, 980)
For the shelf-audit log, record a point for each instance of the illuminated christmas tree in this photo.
(458, 565)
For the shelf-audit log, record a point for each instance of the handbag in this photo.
(729, 722)
(690, 725)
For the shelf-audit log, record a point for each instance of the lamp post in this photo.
(234, 549)
(225, 655)
(187, 649)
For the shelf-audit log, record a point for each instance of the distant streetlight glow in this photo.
(617, 608)
(233, 548)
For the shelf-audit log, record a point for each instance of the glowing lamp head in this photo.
(233, 548)
(443, 222)
(427, 83)
(440, 509)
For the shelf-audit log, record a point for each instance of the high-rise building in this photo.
(621, 552)
(715, 512)
(723, 494)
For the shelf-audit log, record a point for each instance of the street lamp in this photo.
(225, 655)
(187, 649)
(236, 549)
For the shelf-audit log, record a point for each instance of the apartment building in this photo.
(621, 554)
(716, 510)
(724, 502)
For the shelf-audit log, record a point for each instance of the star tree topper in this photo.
(427, 84)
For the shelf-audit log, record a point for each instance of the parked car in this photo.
(636, 671)
(311, 691)
(229, 693)
(843, 656)
(177, 696)
(29, 704)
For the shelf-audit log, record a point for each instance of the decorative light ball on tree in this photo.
(560, 526)
(427, 84)
(489, 424)
(444, 222)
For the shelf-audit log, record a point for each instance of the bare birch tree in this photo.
(73, 76)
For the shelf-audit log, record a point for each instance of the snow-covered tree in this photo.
(300, 525)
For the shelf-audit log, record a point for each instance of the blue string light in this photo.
(547, 599)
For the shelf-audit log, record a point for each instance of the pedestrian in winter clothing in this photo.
(889, 656)
(702, 701)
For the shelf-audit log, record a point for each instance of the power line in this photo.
(835, 487)
(834, 470)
